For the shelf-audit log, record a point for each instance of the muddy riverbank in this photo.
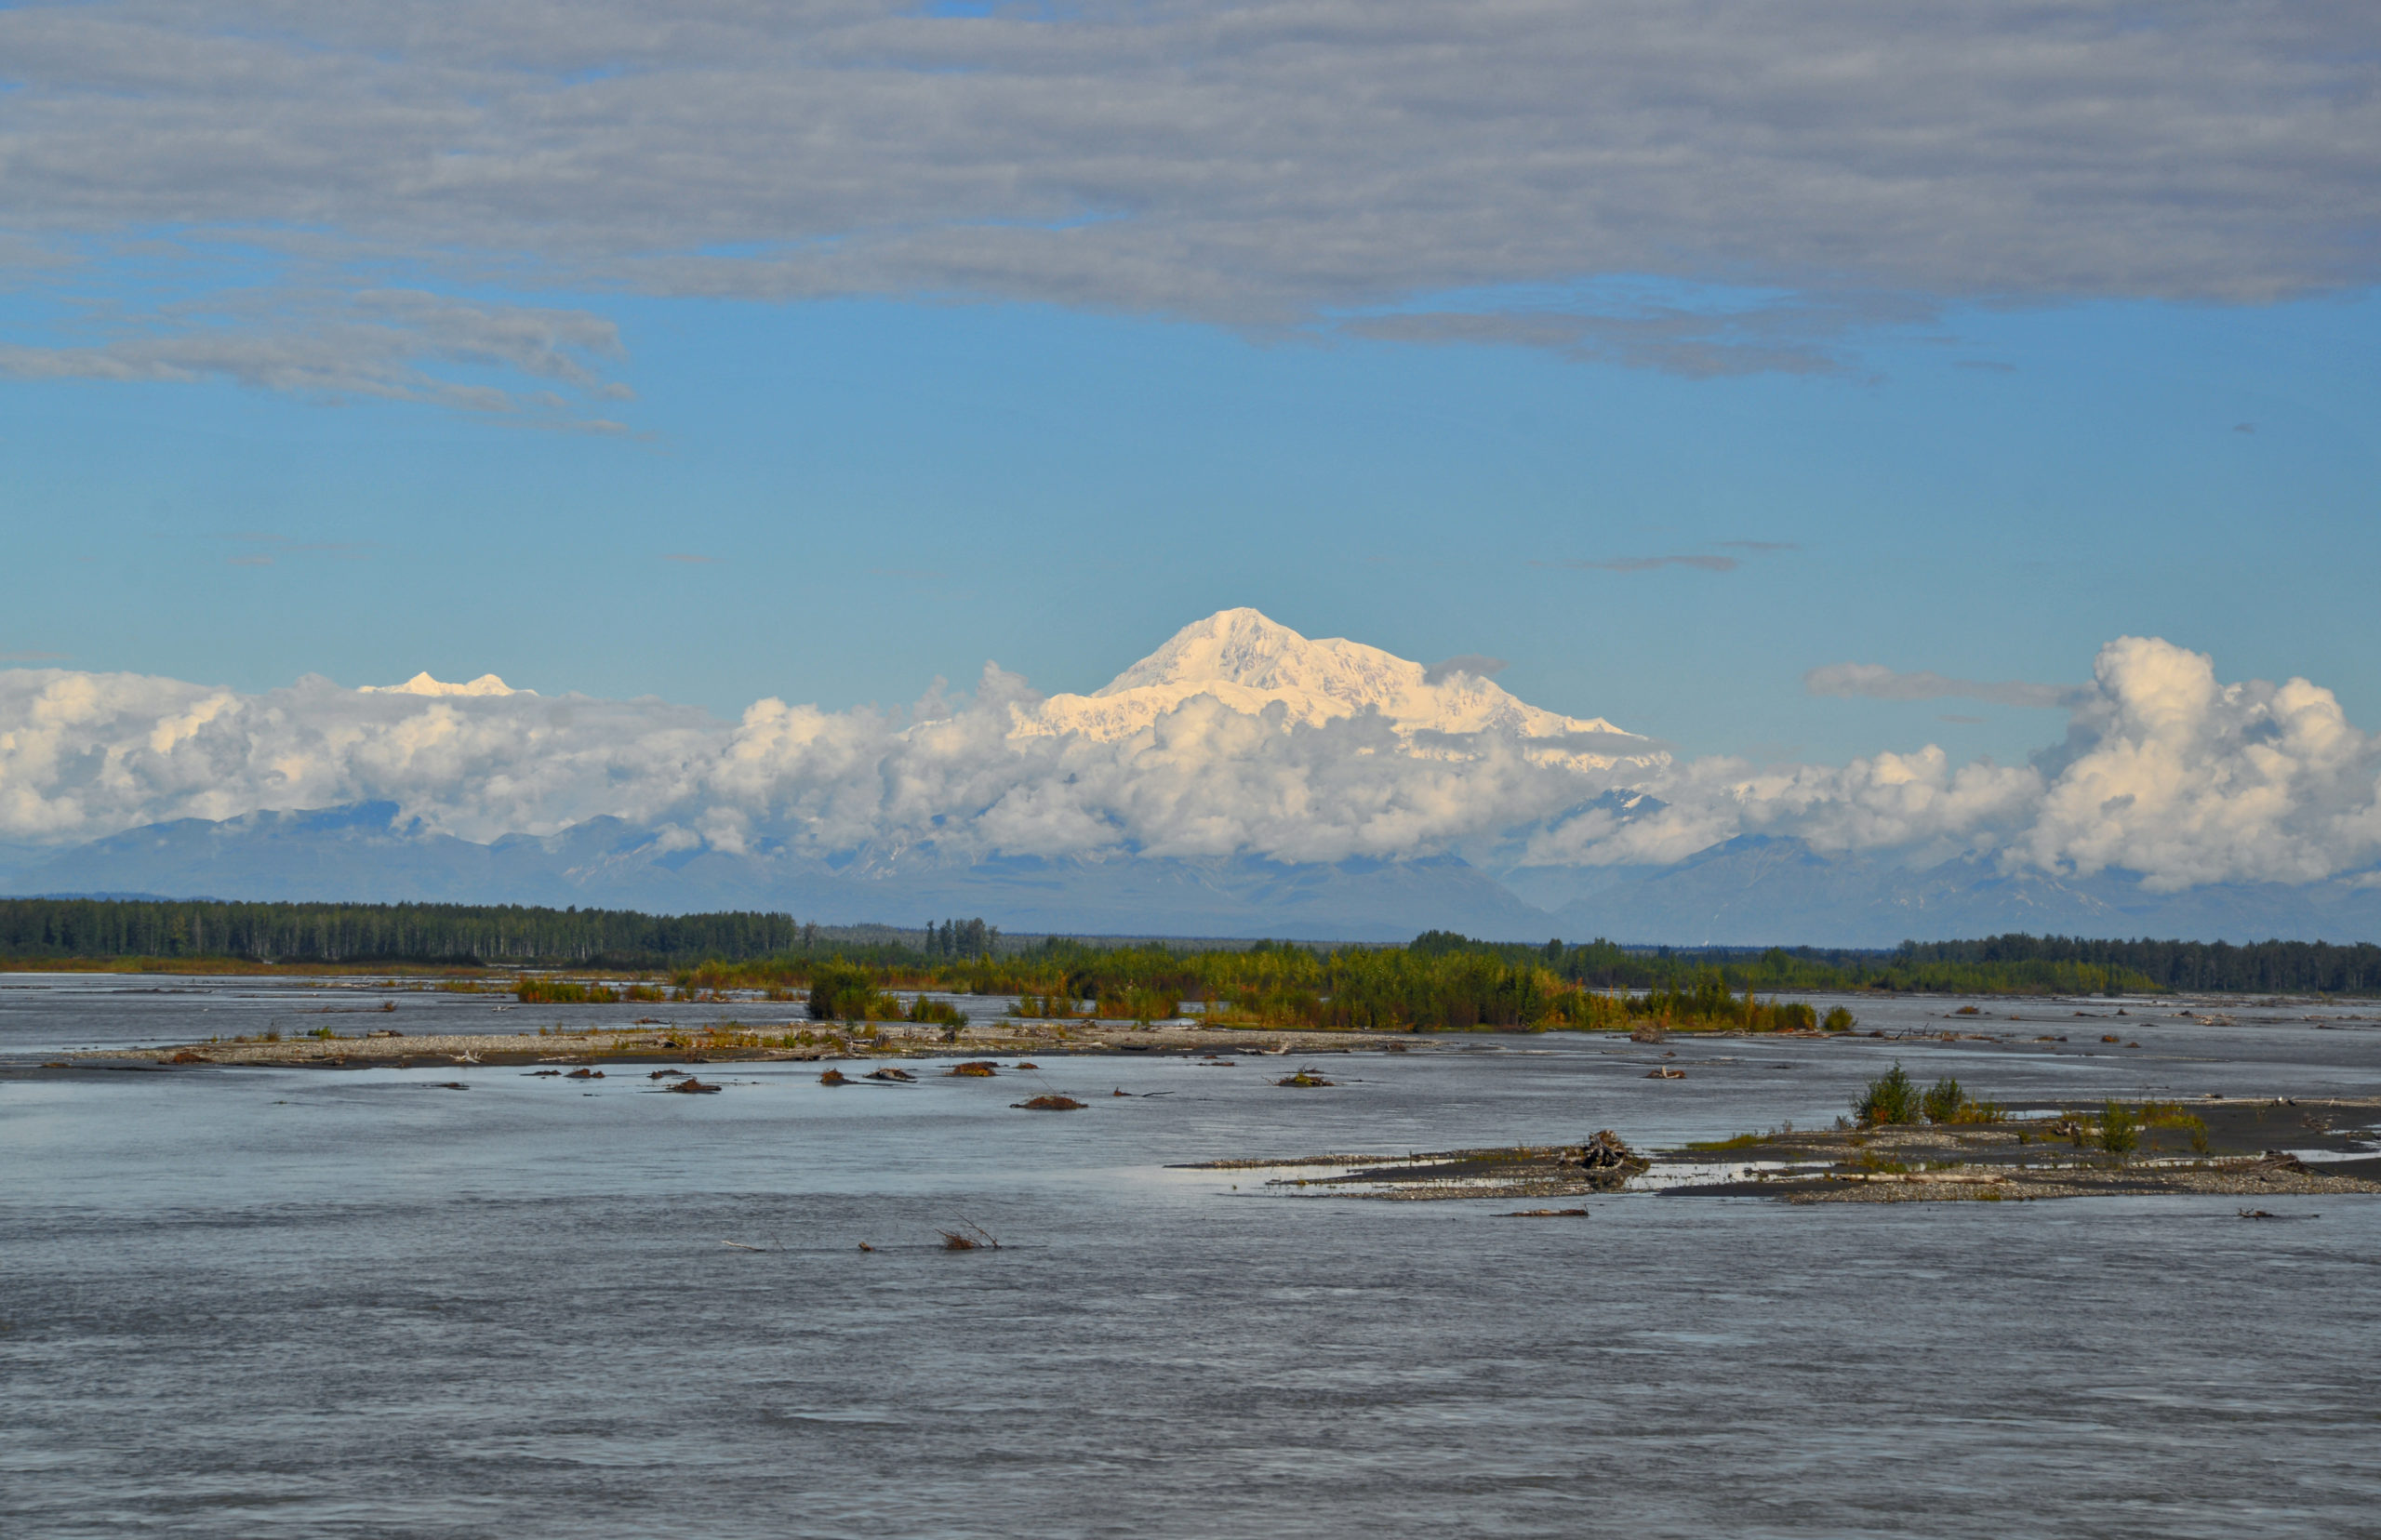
(662, 1043)
(2260, 1148)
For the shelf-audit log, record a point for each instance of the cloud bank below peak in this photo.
(2165, 772)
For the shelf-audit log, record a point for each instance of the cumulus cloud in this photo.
(2187, 781)
(2164, 772)
(1830, 164)
(1890, 801)
(84, 755)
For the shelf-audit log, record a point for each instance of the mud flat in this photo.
(2249, 1149)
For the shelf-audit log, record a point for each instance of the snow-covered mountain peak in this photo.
(1246, 647)
(422, 685)
(1248, 661)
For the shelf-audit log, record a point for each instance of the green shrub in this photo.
(1943, 1101)
(1127, 1004)
(842, 991)
(1892, 1097)
(1838, 1019)
(2120, 1128)
(1734, 1141)
(939, 1011)
(531, 990)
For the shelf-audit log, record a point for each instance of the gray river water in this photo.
(299, 1303)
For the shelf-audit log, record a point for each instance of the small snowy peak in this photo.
(1249, 662)
(422, 685)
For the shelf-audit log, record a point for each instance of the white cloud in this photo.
(2189, 780)
(85, 754)
(1885, 801)
(1571, 172)
(2165, 772)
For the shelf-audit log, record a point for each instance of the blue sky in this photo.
(885, 492)
(1692, 360)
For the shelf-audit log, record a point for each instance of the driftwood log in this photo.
(1609, 1160)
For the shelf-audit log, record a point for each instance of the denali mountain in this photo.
(1240, 780)
(1251, 663)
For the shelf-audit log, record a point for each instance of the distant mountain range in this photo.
(366, 853)
(1751, 891)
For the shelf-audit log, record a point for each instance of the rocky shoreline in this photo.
(2261, 1148)
(2238, 1148)
(661, 1043)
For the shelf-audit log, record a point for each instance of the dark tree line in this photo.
(2046, 964)
(2261, 967)
(961, 938)
(40, 928)
(391, 933)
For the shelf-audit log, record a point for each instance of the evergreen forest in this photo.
(1440, 976)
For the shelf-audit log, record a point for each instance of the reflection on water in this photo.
(269, 1303)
